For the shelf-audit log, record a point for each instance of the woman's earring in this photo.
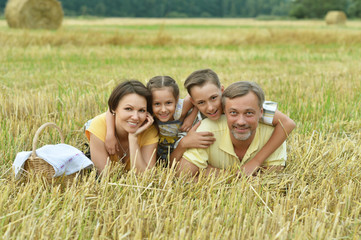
(113, 113)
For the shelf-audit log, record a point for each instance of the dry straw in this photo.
(335, 17)
(34, 14)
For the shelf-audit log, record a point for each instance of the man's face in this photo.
(208, 99)
(243, 114)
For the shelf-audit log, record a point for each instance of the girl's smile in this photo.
(164, 104)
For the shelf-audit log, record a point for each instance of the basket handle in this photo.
(41, 128)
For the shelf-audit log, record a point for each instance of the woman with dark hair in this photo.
(134, 130)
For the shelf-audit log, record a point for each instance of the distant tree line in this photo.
(319, 8)
(177, 8)
(207, 8)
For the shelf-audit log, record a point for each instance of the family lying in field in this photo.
(149, 125)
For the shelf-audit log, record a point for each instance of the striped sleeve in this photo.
(269, 109)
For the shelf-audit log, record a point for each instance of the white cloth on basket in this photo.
(64, 158)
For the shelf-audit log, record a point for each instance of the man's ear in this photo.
(261, 113)
(222, 88)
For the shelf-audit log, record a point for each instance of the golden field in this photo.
(312, 70)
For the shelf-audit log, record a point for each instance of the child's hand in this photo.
(187, 125)
(195, 139)
(111, 144)
(250, 168)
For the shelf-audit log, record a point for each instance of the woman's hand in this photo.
(147, 123)
(142, 158)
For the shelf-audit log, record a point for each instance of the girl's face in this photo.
(130, 113)
(208, 100)
(164, 104)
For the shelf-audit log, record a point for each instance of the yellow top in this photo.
(221, 153)
(98, 127)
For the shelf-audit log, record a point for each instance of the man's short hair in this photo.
(201, 77)
(241, 88)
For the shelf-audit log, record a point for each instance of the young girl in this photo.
(170, 113)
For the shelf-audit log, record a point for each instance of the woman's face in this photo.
(130, 113)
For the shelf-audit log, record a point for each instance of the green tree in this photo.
(354, 8)
(316, 9)
(100, 9)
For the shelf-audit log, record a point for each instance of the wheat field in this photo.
(66, 76)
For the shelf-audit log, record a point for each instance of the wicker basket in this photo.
(38, 166)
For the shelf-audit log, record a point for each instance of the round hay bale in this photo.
(33, 14)
(335, 17)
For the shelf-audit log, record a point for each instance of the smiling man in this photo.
(239, 135)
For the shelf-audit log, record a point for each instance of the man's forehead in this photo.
(245, 102)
